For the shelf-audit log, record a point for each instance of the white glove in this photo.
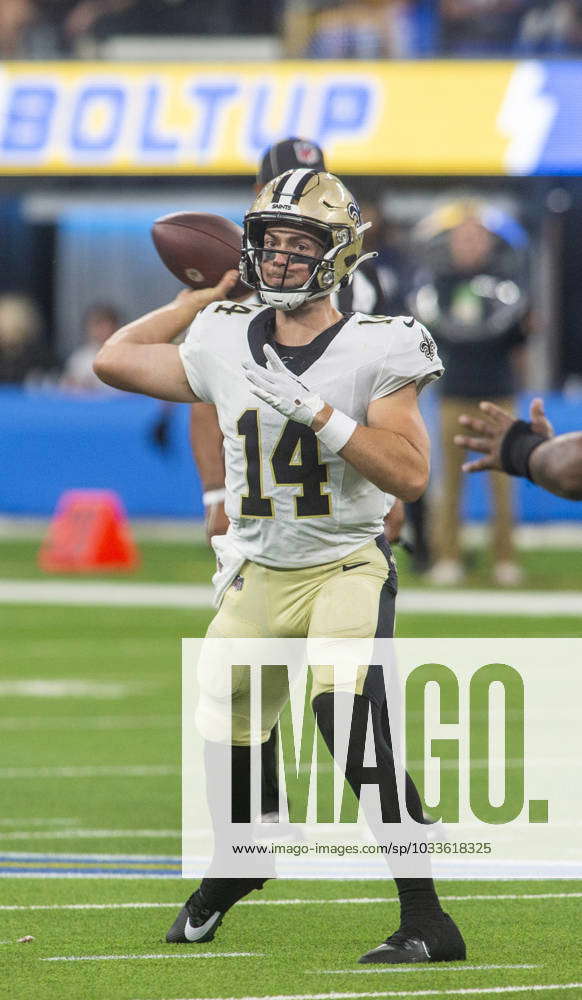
(281, 389)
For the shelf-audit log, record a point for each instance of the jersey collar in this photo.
(261, 331)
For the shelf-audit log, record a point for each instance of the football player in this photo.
(320, 421)
(362, 294)
(525, 448)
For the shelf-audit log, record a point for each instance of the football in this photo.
(198, 248)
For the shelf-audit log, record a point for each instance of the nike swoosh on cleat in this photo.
(195, 933)
(354, 566)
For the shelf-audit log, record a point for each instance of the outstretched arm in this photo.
(531, 450)
(557, 466)
(140, 357)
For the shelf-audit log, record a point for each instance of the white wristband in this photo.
(213, 496)
(338, 430)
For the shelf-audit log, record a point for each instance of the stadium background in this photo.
(90, 153)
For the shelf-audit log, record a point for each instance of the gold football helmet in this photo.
(316, 203)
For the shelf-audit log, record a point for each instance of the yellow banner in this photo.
(370, 118)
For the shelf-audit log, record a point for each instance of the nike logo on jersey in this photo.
(354, 566)
(195, 933)
(411, 323)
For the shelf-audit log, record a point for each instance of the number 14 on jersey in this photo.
(295, 462)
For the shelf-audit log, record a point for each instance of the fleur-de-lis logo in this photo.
(354, 213)
(427, 345)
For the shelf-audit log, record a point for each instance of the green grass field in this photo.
(89, 730)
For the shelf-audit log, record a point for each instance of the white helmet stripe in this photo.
(294, 183)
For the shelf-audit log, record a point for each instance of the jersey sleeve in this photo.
(195, 358)
(411, 356)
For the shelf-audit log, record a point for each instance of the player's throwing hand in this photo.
(201, 297)
(489, 433)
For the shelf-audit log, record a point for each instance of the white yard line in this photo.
(480, 602)
(109, 594)
(60, 722)
(78, 833)
(98, 906)
(125, 958)
(405, 993)
(293, 902)
(428, 967)
(394, 899)
(106, 771)
(53, 687)
(532, 603)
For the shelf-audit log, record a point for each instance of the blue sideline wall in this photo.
(50, 442)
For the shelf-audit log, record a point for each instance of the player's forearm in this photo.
(389, 461)
(557, 465)
(141, 357)
(161, 326)
(124, 359)
(396, 461)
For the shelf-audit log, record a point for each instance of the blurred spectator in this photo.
(16, 19)
(46, 28)
(101, 321)
(551, 29)
(472, 298)
(78, 21)
(22, 352)
(480, 27)
(373, 29)
(66, 21)
(350, 30)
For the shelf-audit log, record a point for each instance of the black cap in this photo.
(289, 154)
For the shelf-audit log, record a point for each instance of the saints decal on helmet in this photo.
(319, 205)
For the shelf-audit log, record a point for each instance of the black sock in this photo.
(241, 780)
(240, 762)
(270, 773)
(222, 893)
(419, 902)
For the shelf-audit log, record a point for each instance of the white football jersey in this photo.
(291, 502)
